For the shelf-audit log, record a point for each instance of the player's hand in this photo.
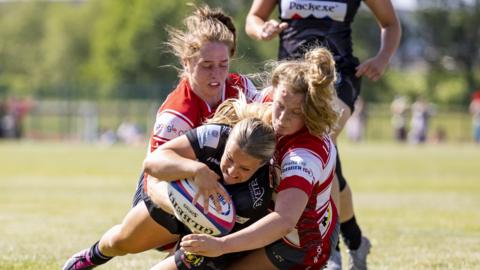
(208, 185)
(202, 244)
(372, 68)
(271, 29)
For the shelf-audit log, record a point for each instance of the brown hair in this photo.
(313, 77)
(204, 25)
(252, 128)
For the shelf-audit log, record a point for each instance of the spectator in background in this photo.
(356, 124)
(475, 111)
(421, 112)
(399, 109)
(2, 115)
(129, 133)
(15, 111)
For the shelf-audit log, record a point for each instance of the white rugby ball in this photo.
(181, 194)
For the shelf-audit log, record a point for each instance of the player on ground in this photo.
(302, 228)
(181, 156)
(204, 49)
(307, 23)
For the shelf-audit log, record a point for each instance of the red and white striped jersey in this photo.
(184, 110)
(307, 163)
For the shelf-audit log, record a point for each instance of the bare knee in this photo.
(118, 242)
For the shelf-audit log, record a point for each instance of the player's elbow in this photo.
(286, 224)
(149, 165)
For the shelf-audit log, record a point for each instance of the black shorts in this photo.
(138, 196)
(284, 256)
(348, 88)
(165, 219)
(187, 261)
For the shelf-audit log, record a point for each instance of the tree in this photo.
(451, 33)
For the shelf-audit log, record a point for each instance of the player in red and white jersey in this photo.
(175, 116)
(302, 24)
(204, 48)
(301, 230)
(307, 163)
(184, 109)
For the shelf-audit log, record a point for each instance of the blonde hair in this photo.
(233, 110)
(252, 130)
(204, 25)
(313, 77)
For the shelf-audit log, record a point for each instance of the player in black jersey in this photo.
(217, 152)
(307, 23)
(233, 153)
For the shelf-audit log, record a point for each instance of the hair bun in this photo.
(322, 67)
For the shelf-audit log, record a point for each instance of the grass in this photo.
(418, 204)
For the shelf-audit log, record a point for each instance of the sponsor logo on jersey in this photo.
(241, 220)
(192, 260)
(319, 9)
(318, 252)
(257, 192)
(326, 220)
(209, 136)
(213, 160)
(169, 126)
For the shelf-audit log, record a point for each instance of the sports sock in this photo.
(96, 256)
(351, 233)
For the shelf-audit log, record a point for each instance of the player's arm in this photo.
(289, 206)
(173, 160)
(176, 159)
(390, 39)
(257, 24)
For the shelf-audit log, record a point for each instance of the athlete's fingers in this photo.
(216, 201)
(190, 242)
(282, 26)
(270, 29)
(195, 198)
(224, 194)
(375, 76)
(360, 70)
(206, 197)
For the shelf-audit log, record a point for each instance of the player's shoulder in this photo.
(236, 82)
(312, 148)
(181, 105)
(210, 135)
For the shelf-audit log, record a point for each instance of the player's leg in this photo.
(257, 259)
(138, 196)
(350, 230)
(138, 232)
(166, 264)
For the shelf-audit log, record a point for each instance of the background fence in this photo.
(91, 121)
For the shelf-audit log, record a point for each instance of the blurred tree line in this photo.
(115, 49)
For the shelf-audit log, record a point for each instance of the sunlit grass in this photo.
(418, 204)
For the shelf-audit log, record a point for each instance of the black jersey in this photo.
(313, 22)
(251, 198)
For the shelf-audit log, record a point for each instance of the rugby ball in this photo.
(181, 194)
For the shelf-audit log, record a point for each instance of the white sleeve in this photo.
(301, 163)
(208, 136)
(169, 125)
(249, 89)
(306, 164)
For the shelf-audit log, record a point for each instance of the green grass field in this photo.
(418, 204)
